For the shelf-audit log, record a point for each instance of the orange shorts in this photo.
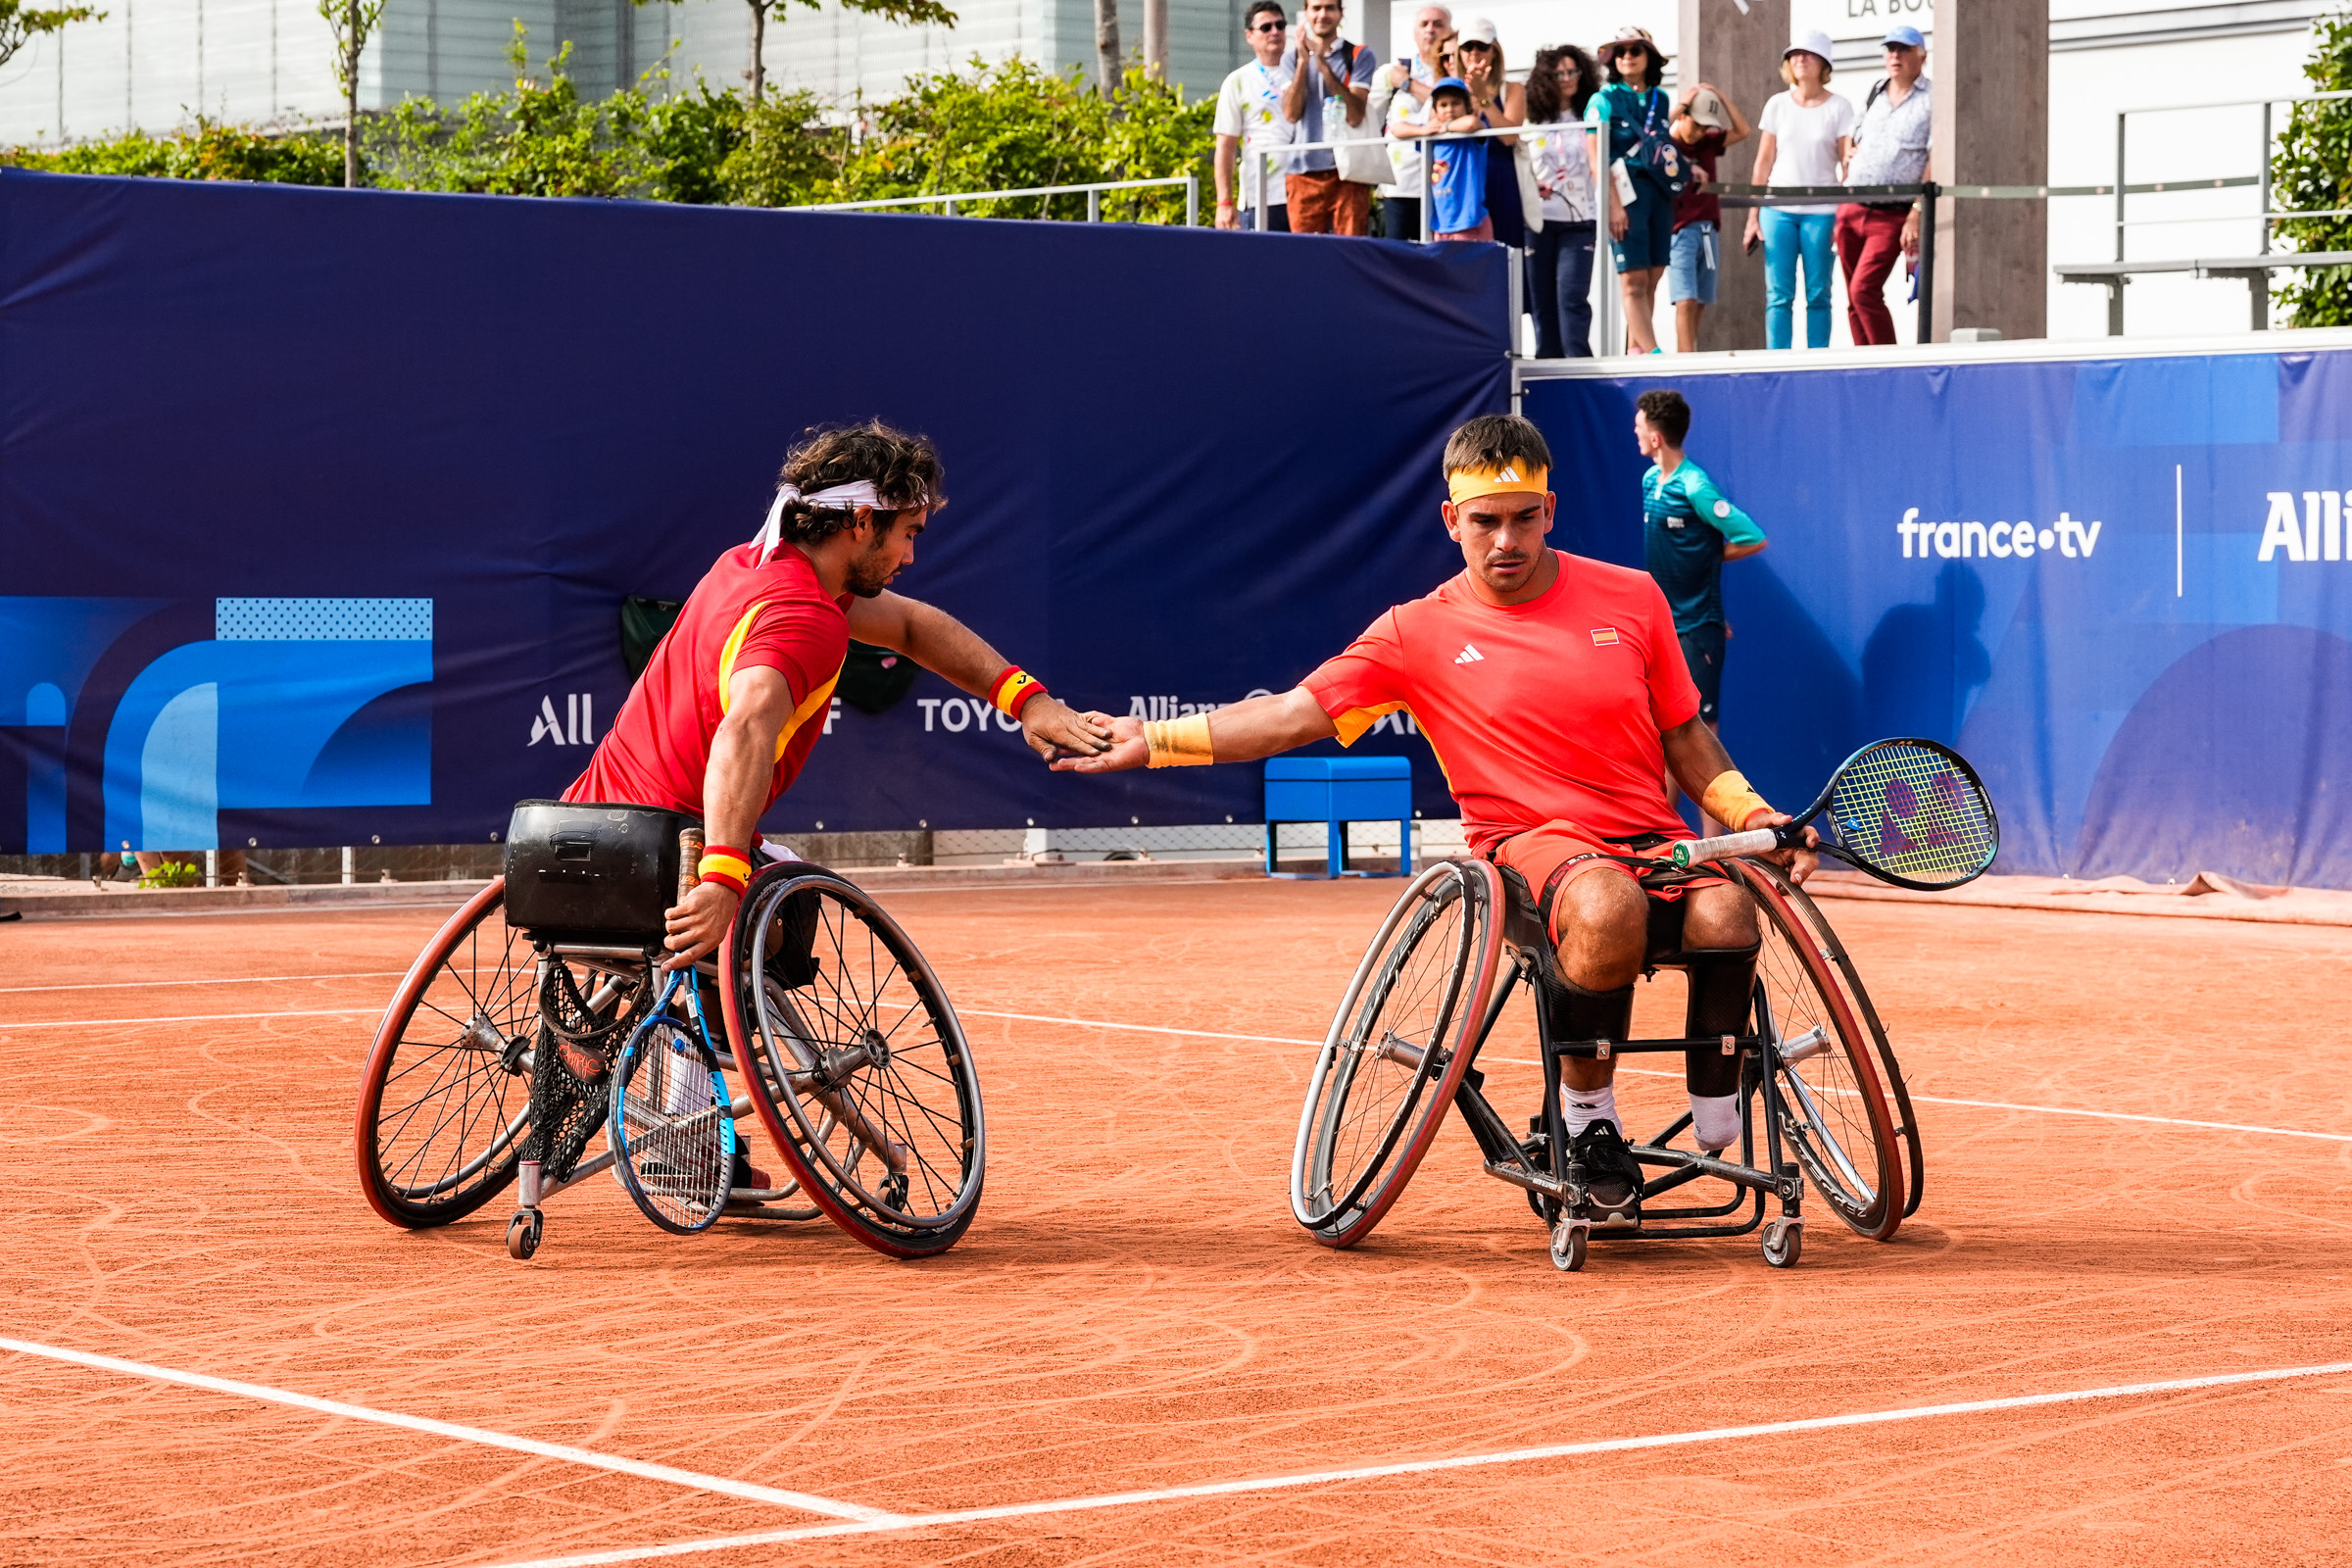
(1556, 853)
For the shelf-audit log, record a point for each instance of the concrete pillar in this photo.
(1989, 61)
(1367, 24)
(1741, 54)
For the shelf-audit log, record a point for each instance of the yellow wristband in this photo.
(726, 865)
(1179, 741)
(1731, 801)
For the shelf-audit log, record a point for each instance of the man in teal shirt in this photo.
(1689, 530)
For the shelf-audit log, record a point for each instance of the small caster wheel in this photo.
(522, 1234)
(1783, 1242)
(1568, 1241)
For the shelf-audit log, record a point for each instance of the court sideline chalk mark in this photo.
(1563, 1451)
(1924, 1100)
(876, 1518)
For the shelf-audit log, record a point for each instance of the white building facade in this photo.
(158, 64)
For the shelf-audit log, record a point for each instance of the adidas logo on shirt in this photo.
(1469, 655)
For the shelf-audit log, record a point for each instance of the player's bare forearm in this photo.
(735, 785)
(1242, 732)
(1695, 757)
(953, 650)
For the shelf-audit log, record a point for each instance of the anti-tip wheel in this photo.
(522, 1234)
(1569, 1240)
(1783, 1242)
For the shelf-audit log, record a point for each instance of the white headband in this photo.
(857, 493)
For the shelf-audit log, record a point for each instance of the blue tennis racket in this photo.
(1910, 812)
(671, 1128)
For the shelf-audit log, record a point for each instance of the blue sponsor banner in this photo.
(2122, 587)
(318, 508)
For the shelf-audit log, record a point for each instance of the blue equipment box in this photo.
(1335, 791)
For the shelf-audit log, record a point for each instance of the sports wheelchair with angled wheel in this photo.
(512, 1041)
(1822, 1098)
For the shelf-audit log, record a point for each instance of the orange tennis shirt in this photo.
(744, 614)
(1542, 712)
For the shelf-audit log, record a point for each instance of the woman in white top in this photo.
(1559, 258)
(1808, 134)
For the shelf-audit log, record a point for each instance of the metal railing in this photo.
(1260, 157)
(1093, 191)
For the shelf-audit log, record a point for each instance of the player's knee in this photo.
(1719, 916)
(1599, 922)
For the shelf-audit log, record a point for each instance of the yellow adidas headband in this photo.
(1468, 484)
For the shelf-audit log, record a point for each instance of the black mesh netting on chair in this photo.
(571, 1072)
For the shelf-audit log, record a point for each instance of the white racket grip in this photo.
(1697, 851)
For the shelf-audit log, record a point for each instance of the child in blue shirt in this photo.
(1457, 170)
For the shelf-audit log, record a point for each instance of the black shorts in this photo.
(1702, 650)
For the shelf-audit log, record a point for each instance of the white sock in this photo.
(1580, 1109)
(1715, 1121)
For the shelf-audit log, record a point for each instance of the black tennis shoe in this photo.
(1608, 1173)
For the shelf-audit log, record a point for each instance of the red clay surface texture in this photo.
(1135, 1309)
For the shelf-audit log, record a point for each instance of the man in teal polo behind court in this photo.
(1689, 530)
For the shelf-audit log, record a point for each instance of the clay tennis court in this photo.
(1135, 1311)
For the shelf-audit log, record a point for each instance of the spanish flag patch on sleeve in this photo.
(1605, 636)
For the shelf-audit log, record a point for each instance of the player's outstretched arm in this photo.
(1242, 732)
(1698, 760)
(948, 648)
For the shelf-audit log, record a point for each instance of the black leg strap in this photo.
(1722, 986)
(1575, 1016)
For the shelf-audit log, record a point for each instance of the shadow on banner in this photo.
(2122, 587)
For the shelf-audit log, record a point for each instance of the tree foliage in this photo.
(209, 150)
(986, 127)
(18, 27)
(2312, 172)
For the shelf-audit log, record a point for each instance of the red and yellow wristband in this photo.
(725, 866)
(1012, 691)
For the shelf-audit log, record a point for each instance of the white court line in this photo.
(1522, 1061)
(234, 980)
(802, 1500)
(190, 1018)
(1563, 1451)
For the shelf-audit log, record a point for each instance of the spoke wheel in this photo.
(855, 1061)
(445, 1097)
(1824, 1070)
(1396, 1051)
(1890, 1070)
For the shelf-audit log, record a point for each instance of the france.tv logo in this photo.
(150, 718)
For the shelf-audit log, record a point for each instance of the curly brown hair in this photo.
(905, 471)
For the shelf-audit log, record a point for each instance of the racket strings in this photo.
(677, 1135)
(1915, 812)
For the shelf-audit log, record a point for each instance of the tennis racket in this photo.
(671, 1128)
(1908, 811)
(672, 1131)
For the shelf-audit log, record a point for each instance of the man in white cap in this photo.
(1890, 148)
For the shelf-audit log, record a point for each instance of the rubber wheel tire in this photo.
(522, 1236)
(469, 966)
(1783, 1242)
(1568, 1256)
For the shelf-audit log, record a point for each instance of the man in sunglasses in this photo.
(1249, 119)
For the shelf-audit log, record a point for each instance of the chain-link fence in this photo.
(1303, 845)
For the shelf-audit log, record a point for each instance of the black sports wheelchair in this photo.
(538, 1017)
(1822, 1099)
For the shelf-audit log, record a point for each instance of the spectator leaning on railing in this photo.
(1457, 168)
(1559, 261)
(1628, 119)
(1401, 97)
(1890, 148)
(1249, 117)
(1330, 84)
(1808, 134)
(1706, 122)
